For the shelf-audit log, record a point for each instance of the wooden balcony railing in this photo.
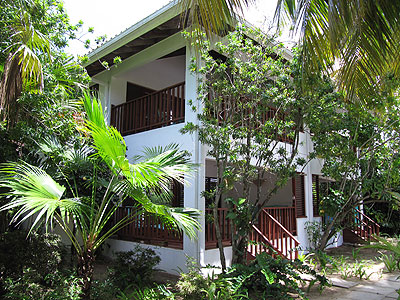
(162, 108)
(224, 224)
(147, 228)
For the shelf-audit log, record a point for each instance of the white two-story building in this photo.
(146, 97)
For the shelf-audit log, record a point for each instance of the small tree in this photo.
(251, 119)
(35, 194)
(360, 149)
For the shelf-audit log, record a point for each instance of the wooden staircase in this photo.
(269, 235)
(361, 230)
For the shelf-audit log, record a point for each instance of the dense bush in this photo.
(134, 267)
(264, 278)
(40, 253)
(30, 286)
(30, 268)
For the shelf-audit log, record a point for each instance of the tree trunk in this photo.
(85, 272)
(219, 239)
(239, 245)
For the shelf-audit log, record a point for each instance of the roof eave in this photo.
(155, 19)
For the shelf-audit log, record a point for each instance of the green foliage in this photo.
(359, 147)
(35, 193)
(271, 278)
(55, 286)
(30, 268)
(191, 285)
(40, 253)
(103, 289)
(390, 262)
(134, 268)
(251, 119)
(314, 232)
(159, 292)
(384, 244)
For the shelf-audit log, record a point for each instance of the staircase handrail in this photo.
(368, 218)
(267, 242)
(282, 227)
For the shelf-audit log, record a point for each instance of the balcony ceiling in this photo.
(144, 41)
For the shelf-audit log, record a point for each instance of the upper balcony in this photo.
(158, 109)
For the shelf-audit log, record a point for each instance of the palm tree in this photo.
(34, 194)
(213, 16)
(23, 68)
(356, 40)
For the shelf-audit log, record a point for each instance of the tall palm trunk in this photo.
(85, 271)
(10, 90)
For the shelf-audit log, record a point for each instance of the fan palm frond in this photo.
(23, 68)
(35, 194)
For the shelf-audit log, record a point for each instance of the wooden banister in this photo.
(273, 233)
(148, 229)
(224, 225)
(364, 226)
(259, 243)
(279, 237)
(162, 108)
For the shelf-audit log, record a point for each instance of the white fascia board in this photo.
(157, 18)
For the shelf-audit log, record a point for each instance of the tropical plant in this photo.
(213, 16)
(357, 40)
(35, 194)
(384, 244)
(23, 68)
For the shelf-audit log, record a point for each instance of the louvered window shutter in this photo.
(178, 194)
(315, 194)
(299, 195)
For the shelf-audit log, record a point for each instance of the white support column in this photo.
(193, 192)
(308, 194)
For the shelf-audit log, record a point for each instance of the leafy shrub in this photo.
(191, 285)
(34, 258)
(160, 292)
(134, 267)
(269, 278)
(40, 252)
(30, 287)
(102, 290)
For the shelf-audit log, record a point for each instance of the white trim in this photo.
(155, 19)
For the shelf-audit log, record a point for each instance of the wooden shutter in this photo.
(299, 195)
(315, 195)
(178, 194)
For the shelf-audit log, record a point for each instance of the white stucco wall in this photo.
(172, 260)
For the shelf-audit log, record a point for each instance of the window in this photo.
(316, 195)
(299, 195)
(211, 185)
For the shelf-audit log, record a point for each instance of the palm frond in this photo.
(212, 16)
(35, 194)
(360, 37)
